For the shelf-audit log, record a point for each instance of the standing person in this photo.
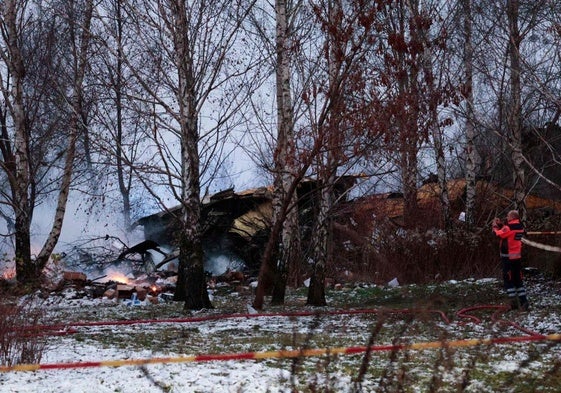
(510, 245)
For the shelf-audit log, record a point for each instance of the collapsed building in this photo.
(367, 239)
(236, 225)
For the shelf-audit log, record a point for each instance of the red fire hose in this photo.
(463, 313)
(70, 328)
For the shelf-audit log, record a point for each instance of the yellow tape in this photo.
(282, 353)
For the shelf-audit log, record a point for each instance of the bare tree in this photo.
(191, 283)
(112, 116)
(401, 75)
(123, 118)
(514, 119)
(282, 255)
(189, 75)
(328, 161)
(27, 158)
(509, 99)
(436, 90)
(323, 132)
(341, 123)
(289, 252)
(124, 182)
(79, 26)
(467, 90)
(16, 157)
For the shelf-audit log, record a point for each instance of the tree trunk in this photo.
(515, 113)
(267, 270)
(193, 289)
(26, 273)
(124, 187)
(471, 153)
(25, 268)
(287, 253)
(408, 156)
(329, 160)
(77, 126)
(420, 33)
(409, 136)
(442, 179)
(54, 234)
(321, 246)
(191, 284)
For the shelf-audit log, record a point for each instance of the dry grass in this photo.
(18, 344)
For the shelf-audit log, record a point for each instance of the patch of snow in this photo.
(246, 375)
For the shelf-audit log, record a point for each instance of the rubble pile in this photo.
(147, 288)
(152, 288)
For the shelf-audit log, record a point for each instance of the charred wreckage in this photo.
(235, 230)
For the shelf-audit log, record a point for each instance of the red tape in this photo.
(283, 354)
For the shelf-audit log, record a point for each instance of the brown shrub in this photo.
(20, 340)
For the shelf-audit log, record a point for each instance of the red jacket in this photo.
(511, 236)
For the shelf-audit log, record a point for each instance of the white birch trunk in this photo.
(515, 113)
(20, 181)
(191, 285)
(287, 258)
(76, 127)
(471, 152)
(328, 163)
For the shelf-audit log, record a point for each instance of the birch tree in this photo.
(326, 74)
(285, 154)
(467, 90)
(436, 91)
(327, 160)
(29, 140)
(124, 117)
(514, 114)
(508, 48)
(15, 151)
(78, 22)
(338, 125)
(112, 113)
(282, 254)
(190, 73)
(401, 76)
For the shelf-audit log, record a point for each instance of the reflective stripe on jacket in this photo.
(511, 236)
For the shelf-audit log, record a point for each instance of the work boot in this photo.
(525, 306)
(514, 305)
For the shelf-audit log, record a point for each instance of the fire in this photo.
(9, 273)
(117, 276)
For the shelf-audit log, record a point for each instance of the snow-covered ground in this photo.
(278, 375)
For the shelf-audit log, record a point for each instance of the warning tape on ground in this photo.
(545, 247)
(282, 353)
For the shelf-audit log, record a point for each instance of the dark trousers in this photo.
(513, 281)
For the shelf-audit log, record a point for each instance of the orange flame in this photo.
(9, 273)
(118, 277)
